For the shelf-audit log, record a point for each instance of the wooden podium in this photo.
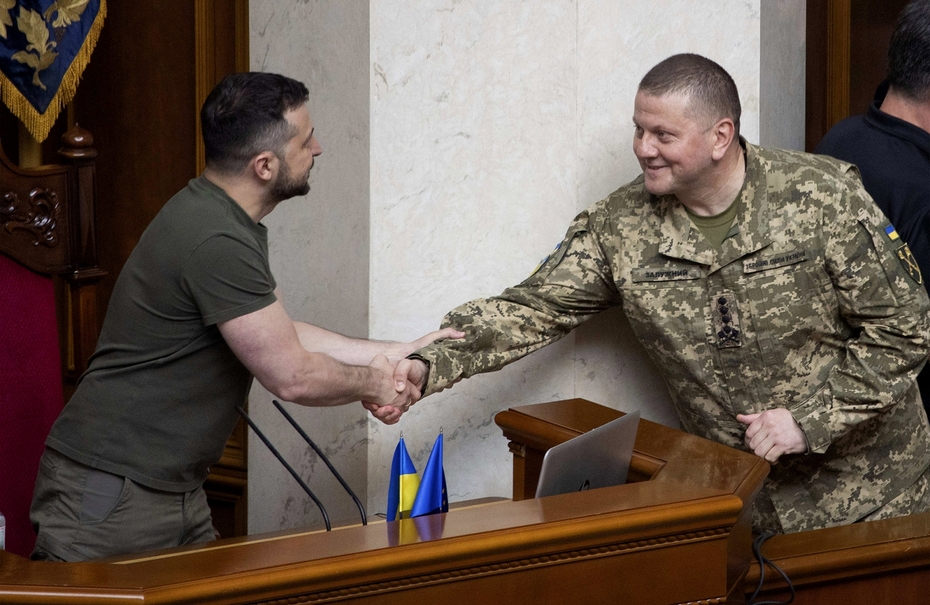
(878, 563)
(663, 458)
(678, 533)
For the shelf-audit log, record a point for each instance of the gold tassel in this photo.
(39, 124)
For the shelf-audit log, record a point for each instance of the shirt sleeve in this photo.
(572, 284)
(881, 297)
(228, 278)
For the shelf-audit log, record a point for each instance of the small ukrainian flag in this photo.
(891, 233)
(404, 483)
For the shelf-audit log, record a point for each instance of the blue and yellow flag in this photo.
(431, 497)
(404, 482)
(44, 47)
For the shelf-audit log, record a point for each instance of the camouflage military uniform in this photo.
(810, 304)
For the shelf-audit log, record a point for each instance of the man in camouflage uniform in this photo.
(775, 298)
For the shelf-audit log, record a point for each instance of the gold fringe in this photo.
(39, 124)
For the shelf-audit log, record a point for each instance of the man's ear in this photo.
(264, 165)
(724, 131)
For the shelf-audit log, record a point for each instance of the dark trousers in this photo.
(82, 513)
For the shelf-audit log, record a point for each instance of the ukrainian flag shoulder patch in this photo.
(546, 259)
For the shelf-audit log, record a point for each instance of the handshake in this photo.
(401, 379)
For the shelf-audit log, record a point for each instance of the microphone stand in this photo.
(286, 465)
(358, 503)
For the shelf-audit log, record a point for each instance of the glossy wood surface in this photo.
(660, 454)
(642, 539)
(537, 547)
(847, 49)
(878, 563)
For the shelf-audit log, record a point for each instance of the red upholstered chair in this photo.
(46, 229)
(30, 390)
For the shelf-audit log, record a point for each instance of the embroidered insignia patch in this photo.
(774, 261)
(666, 273)
(726, 320)
(546, 259)
(910, 264)
(891, 233)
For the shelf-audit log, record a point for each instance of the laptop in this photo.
(598, 458)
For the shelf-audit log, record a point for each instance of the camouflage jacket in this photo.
(812, 303)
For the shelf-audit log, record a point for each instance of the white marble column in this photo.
(319, 251)
(460, 137)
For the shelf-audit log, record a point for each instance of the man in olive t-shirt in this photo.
(193, 317)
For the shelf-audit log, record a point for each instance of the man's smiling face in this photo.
(674, 147)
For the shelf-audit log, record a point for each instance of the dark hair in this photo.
(244, 116)
(711, 90)
(909, 52)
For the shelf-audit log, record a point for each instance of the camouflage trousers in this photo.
(915, 499)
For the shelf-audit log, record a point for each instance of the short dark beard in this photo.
(286, 187)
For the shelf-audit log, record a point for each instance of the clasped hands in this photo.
(402, 379)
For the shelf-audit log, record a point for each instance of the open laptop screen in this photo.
(598, 458)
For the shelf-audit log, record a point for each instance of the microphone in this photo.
(286, 465)
(345, 486)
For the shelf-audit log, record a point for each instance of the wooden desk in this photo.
(879, 563)
(669, 540)
(661, 456)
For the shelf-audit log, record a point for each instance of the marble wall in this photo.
(782, 64)
(460, 137)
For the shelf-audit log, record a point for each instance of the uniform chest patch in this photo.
(774, 261)
(658, 274)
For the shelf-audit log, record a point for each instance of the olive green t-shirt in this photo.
(158, 401)
(715, 228)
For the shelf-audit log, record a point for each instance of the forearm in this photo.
(878, 372)
(569, 288)
(352, 351)
(356, 351)
(320, 380)
(890, 314)
(266, 343)
(498, 331)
